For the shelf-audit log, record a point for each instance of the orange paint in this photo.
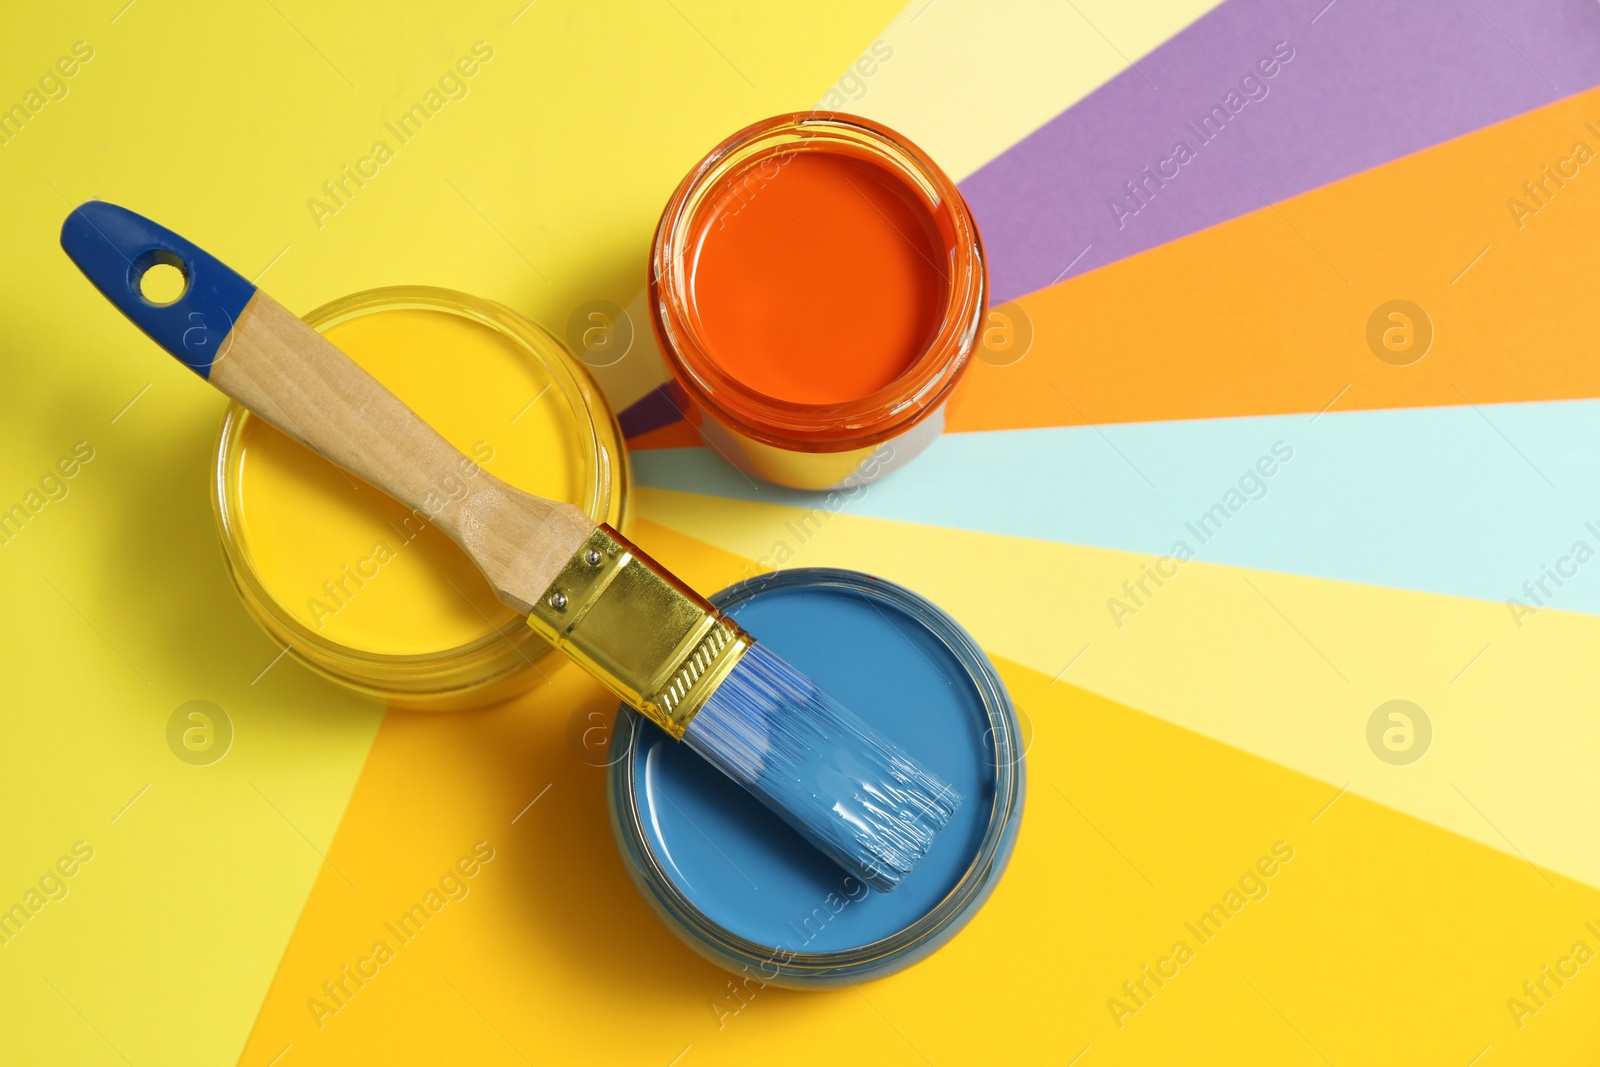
(820, 284)
(817, 286)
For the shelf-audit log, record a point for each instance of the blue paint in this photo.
(114, 247)
(1459, 501)
(854, 793)
(745, 869)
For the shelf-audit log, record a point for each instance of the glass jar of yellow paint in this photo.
(358, 586)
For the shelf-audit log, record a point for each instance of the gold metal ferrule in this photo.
(654, 642)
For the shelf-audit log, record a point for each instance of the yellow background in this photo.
(178, 942)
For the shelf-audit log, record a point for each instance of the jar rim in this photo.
(503, 651)
(917, 391)
(922, 935)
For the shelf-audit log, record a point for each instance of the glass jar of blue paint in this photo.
(737, 884)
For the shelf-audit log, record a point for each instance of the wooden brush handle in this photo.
(257, 352)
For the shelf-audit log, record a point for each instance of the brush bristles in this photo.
(845, 787)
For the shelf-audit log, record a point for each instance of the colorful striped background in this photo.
(1432, 912)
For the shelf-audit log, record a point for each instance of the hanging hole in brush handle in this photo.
(162, 281)
(118, 250)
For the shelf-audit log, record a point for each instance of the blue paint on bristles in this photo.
(848, 789)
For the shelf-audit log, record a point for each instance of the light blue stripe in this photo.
(1456, 500)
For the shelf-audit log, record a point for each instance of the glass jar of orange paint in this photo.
(817, 285)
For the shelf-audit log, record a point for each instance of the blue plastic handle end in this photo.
(114, 247)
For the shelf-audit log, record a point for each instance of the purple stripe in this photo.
(1369, 82)
(661, 406)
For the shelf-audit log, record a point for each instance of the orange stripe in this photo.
(1268, 314)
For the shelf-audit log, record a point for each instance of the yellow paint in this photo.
(1214, 655)
(569, 142)
(1134, 827)
(308, 526)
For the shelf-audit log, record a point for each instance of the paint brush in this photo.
(664, 650)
